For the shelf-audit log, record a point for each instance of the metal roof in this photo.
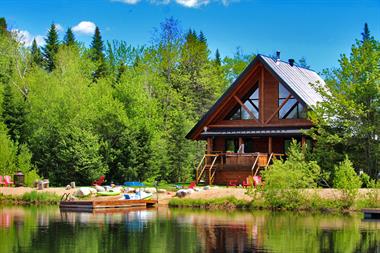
(298, 79)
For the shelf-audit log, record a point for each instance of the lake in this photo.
(46, 229)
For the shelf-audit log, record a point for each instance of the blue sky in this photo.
(319, 30)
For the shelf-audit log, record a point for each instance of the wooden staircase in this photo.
(262, 162)
(207, 168)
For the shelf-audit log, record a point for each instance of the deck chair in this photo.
(100, 181)
(192, 185)
(8, 181)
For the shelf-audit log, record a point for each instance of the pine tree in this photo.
(69, 39)
(202, 37)
(97, 54)
(3, 26)
(218, 61)
(13, 115)
(36, 54)
(51, 47)
(366, 34)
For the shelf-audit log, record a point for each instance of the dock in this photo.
(371, 213)
(106, 205)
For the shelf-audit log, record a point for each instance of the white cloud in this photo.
(184, 3)
(84, 27)
(192, 3)
(58, 27)
(27, 39)
(127, 1)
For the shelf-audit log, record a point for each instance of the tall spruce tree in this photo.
(202, 37)
(13, 115)
(69, 39)
(51, 48)
(366, 34)
(3, 26)
(218, 60)
(97, 54)
(36, 54)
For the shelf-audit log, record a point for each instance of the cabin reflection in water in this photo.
(255, 120)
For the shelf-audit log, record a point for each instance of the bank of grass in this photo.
(309, 203)
(216, 203)
(31, 198)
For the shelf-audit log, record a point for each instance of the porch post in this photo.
(269, 144)
(209, 145)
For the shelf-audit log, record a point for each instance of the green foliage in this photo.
(346, 179)
(36, 54)
(347, 120)
(51, 48)
(97, 54)
(8, 153)
(283, 179)
(69, 39)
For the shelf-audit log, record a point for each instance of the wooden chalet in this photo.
(255, 120)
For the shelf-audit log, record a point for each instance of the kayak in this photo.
(108, 193)
(139, 195)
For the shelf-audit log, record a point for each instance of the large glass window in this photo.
(292, 109)
(251, 103)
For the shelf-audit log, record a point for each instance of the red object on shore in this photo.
(246, 183)
(8, 181)
(192, 185)
(232, 182)
(100, 181)
(256, 180)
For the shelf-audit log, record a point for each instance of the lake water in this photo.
(46, 229)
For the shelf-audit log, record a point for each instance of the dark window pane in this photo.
(302, 114)
(231, 145)
(248, 145)
(236, 115)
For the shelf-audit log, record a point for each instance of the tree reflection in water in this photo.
(46, 229)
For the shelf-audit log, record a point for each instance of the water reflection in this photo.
(46, 229)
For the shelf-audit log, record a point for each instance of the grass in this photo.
(32, 197)
(309, 203)
(217, 203)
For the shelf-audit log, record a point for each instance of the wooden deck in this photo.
(371, 213)
(106, 205)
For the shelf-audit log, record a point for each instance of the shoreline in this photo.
(320, 200)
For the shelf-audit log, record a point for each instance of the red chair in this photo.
(2, 181)
(8, 181)
(232, 182)
(100, 181)
(246, 183)
(192, 185)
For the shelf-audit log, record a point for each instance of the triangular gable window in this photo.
(251, 103)
(292, 109)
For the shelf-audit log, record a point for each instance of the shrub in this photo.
(346, 179)
(284, 178)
